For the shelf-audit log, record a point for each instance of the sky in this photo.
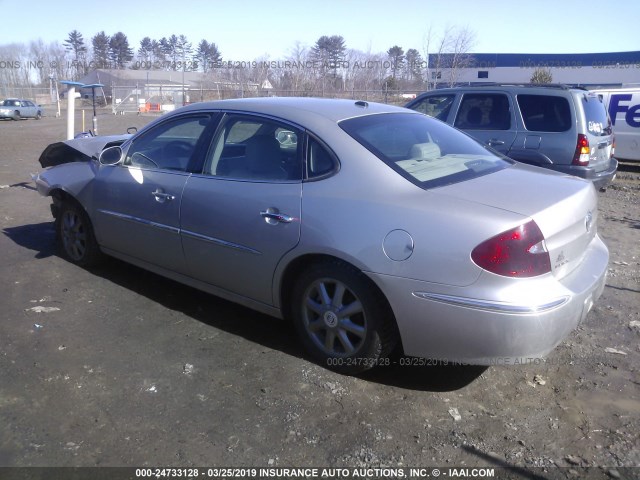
(246, 30)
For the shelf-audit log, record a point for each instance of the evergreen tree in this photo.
(414, 65)
(329, 53)
(146, 49)
(207, 55)
(75, 43)
(100, 43)
(119, 50)
(396, 55)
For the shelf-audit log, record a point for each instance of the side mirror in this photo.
(110, 156)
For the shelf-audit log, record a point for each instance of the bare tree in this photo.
(447, 54)
(300, 74)
(460, 46)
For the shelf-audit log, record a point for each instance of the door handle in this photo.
(272, 217)
(494, 141)
(161, 196)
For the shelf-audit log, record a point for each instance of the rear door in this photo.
(27, 109)
(242, 213)
(489, 118)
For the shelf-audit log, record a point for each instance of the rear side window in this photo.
(484, 111)
(426, 152)
(598, 122)
(545, 113)
(437, 106)
(320, 161)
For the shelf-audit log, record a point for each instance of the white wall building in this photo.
(612, 69)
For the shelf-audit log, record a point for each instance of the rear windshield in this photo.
(545, 113)
(427, 152)
(598, 122)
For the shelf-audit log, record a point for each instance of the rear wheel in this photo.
(74, 234)
(342, 319)
(16, 115)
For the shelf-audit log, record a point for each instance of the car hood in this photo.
(78, 149)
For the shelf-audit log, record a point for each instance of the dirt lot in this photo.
(129, 369)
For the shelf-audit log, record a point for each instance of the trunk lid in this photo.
(564, 207)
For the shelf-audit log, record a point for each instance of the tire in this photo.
(75, 237)
(341, 318)
(38, 115)
(16, 115)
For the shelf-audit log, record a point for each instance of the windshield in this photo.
(426, 151)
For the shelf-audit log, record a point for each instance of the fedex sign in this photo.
(619, 104)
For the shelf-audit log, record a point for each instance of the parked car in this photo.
(366, 224)
(16, 109)
(553, 126)
(623, 105)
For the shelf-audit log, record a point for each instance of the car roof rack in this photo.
(561, 86)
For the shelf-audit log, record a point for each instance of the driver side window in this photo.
(168, 146)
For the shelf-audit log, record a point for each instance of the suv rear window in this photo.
(598, 122)
(545, 113)
(425, 151)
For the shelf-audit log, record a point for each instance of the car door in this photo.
(137, 202)
(488, 117)
(242, 213)
(27, 109)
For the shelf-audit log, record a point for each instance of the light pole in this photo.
(93, 87)
(71, 105)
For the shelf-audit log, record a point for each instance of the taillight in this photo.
(520, 252)
(581, 157)
(613, 145)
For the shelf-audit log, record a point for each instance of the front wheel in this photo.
(342, 319)
(74, 234)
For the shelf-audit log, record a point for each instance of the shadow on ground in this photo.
(404, 372)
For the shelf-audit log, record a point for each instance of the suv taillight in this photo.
(613, 145)
(520, 252)
(581, 157)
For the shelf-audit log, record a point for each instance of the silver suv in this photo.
(553, 126)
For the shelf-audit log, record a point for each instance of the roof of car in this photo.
(508, 86)
(300, 109)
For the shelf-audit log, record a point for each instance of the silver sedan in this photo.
(369, 226)
(16, 109)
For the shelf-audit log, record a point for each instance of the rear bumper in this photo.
(482, 325)
(600, 179)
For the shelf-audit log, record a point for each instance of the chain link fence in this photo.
(161, 98)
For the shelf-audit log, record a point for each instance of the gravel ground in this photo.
(119, 367)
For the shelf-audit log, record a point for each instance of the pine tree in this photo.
(100, 43)
(119, 50)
